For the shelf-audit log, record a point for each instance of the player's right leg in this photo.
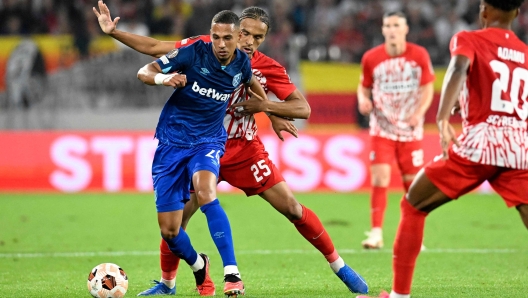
(382, 155)
(171, 185)
(169, 262)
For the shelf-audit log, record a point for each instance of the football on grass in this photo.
(107, 280)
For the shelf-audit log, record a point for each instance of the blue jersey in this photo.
(194, 114)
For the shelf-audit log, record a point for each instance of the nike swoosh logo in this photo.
(314, 238)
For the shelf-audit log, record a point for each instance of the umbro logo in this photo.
(204, 71)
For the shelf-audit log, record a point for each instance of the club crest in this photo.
(237, 79)
(172, 53)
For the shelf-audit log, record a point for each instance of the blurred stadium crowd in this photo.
(339, 30)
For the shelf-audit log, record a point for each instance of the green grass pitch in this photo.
(476, 247)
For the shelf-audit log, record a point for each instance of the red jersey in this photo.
(271, 75)
(493, 102)
(395, 83)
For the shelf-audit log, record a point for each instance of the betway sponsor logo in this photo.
(210, 92)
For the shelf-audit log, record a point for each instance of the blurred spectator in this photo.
(349, 40)
(327, 25)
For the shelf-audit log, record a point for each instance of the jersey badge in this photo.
(237, 79)
(204, 71)
(172, 53)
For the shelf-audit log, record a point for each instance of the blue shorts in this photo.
(173, 168)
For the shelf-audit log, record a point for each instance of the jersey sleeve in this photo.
(366, 79)
(247, 74)
(279, 82)
(461, 45)
(427, 67)
(177, 59)
(191, 40)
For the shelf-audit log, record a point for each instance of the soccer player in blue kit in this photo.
(192, 136)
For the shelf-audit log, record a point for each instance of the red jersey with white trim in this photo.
(271, 75)
(493, 102)
(395, 83)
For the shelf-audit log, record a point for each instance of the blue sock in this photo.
(182, 247)
(220, 231)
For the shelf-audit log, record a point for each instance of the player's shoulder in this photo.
(263, 62)
(374, 52)
(193, 39)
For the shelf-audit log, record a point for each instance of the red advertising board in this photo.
(75, 161)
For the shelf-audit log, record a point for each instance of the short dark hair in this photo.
(505, 5)
(226, 17)
(395, 13)
(256, 13)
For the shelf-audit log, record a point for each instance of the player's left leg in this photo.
(436, 184)
(311, 228)
(205, 167)
(523, 211)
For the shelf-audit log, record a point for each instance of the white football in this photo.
(107, 280)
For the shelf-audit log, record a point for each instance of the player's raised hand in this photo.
(253, 105)
(105, 20)
(447, 135)
(280, 124)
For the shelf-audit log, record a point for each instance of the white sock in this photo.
(199, 264)
(169, 283)
(396, 295)
(376, 232)
(337, 264)
(231, 269)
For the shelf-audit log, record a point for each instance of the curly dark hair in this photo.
(505, 5)
(256, 13)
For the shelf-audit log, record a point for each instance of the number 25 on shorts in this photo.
(258, 167)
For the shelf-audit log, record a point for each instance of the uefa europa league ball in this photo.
(107, 280)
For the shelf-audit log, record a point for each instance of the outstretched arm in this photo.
(143, 44)
(294, 106)
(454, 79)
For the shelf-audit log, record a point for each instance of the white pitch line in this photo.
(252, 252)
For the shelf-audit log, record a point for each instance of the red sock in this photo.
(407, 246)
(378, 204)
(312, 230)
(407, 185)
(168, 261)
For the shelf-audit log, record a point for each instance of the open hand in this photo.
(103, 16)
(280, 124)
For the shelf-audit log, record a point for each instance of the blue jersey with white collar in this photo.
(194, 114)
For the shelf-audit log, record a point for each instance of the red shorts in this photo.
(408, 155)
(457, 176)
(245, 165)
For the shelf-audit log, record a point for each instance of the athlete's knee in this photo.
(205, 196)
(169, 232)
(292, 208)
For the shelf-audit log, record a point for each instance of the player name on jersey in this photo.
(511, 55)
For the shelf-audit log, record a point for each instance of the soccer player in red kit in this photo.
(398, 75)
(246, 164)
(488, 74)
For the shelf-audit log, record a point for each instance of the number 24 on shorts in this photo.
(258, 167)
